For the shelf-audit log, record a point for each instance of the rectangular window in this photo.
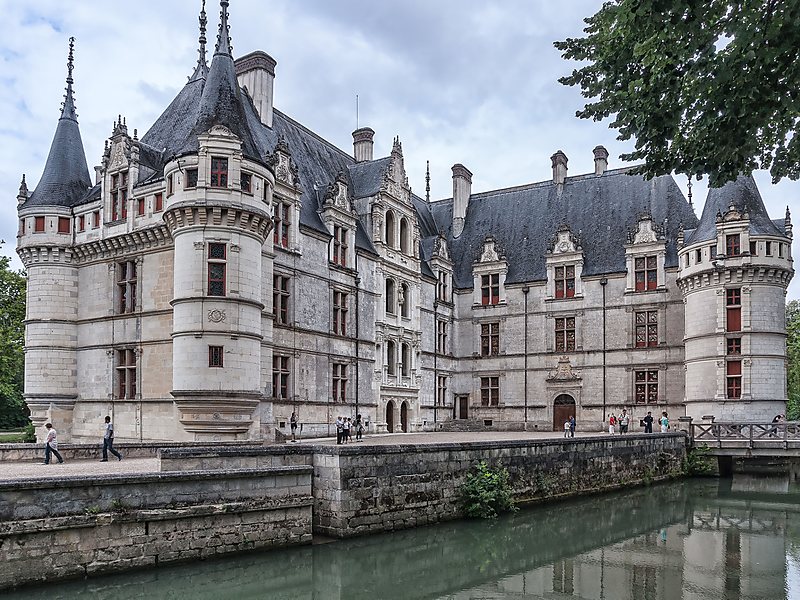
(768, 248)
(780, 250)
(713, 251)
(339, 313)
(126, 374)
(753, 248)
(646, 387)
(443, 286)
(217, 269)
(246, 182)
(96, 219)
(63, 225)
(170, 186)
(22, 226)
(441, 336)
(565, 334)
(441, 390)
(732, 247)
(490, 391)
(646, 272)
(339, 376)
(565, 281)
(38, 224)
(490, 339)
(339, 245)
(280, 299)
(126, 287)
(159, 202)
(698, 256)
(490, 289)
(733, 307)
(280, 376)
(734, 346)
(119, 196)
(216, 356)
(140, 207)
(191, 179)
(734, 379)
(280, 236)
(219, 172)
(647, 329)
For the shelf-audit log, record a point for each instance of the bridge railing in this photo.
(748, 435)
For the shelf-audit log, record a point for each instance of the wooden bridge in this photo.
(748, 439)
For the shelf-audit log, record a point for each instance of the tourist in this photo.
(664, 421)
(293, 425)
(647, 422)
(359, 428)
(345, 429)
(624, 419)
(612, 421)
(108, 441)
(349, 429)
(51, 444)
(566, 428)
(339, 429)
(572, 426)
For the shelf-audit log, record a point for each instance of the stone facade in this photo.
(231, 267)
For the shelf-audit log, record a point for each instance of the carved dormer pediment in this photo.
(282, 164)
(564, 241)
(563, 371)
(646, 231)
(440, 249)
(395, 179)
(222, 131)
(490, 252)
(731, 215)
(336, 195)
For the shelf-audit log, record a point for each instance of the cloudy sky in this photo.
(464, 81)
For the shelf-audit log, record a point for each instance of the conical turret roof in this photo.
(66, 177)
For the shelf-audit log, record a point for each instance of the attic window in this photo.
(732, 246)
(159, 202)
(565, 281)
(38, 224)
(219, 172)
(191, 178)
(63, 225)
(247, 183)
(646, 273)
(490, 289)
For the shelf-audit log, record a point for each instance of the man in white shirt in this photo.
(624, 420)
(108, 441)
(51, 444)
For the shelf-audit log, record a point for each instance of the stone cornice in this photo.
(245, 219)
(745, 274)
(123, 245)
(31, 255)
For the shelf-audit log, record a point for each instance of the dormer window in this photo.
(490, 289)
(246, 181)
(219, 172)
(191, 178)
(339, 245)
(732, 245)
(443, 286)
(646, 273)
(119, 196)
(565, 281)
(38, 224)
(282, 224)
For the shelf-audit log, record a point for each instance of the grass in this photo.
(12, 437)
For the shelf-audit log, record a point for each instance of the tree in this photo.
(13, 412)
(793, 356)
(704, 88)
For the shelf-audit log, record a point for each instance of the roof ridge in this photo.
(313, 134)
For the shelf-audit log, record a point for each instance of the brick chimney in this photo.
(256, 72)
(600, 160)
(362, 144)
(462, 190)
(559, 160)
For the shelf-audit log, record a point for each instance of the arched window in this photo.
(391, 357)
(389, 234)
(405, 300)
(405, 239)
(390, 301)
(405, 357)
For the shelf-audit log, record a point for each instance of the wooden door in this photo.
(404, 417)
(563, 409)
(390, 417)
(463, 407)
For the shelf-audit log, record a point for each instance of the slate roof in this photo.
(744, 195)
(366, 177)
(600, 210)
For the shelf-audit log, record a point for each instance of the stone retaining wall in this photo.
(35, 452)
(78, 526)
(360, 490)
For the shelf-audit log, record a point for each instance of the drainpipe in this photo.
(358, 313)
(435, 357)
(603, 283)
(525, 291)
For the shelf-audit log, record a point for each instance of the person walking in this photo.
(359, 428)
(108, 442)
(346, 430)
(339, 429)
(293, 425)
(566, 428)
(612, 422)
(572, 426)
(647, 422)
(624, 420)
(51, 444)
(664, 422)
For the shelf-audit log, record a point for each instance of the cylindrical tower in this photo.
(734, 269)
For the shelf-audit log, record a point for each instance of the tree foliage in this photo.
(13, 412)
(486, 492)
(793, 356)
(704, 88)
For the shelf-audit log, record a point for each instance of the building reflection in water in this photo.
(689, 540)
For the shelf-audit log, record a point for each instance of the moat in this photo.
(700, 539)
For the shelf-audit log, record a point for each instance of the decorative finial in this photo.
(135, 134)
(787, 224)
(23, 187)
(71, 60)
(428, 180)
(224, 37)
(689, 185)
(68, 107)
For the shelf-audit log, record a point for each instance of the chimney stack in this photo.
(462, 190)
(256, 72)
(600, 160)
(559, 160)
(362, 144)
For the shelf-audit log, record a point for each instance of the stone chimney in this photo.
(559, 160)
(600, 160)
(256, 72)
(362, 144)
(462, 189)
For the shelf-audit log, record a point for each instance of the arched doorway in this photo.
(390, 417)
(404, 417)
(563, 409)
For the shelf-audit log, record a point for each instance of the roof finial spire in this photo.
(224, 35)
(689, 185)
(202, 67)
(428, 180)
(68, 108)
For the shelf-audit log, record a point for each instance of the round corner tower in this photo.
(734, 269)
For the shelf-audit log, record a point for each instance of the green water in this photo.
(704, 540)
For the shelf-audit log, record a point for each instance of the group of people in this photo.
(569, 427)
(623, 420)
(51, 443)
(345, 427)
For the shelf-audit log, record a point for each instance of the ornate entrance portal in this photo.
(563, 409)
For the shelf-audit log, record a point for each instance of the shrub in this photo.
(486, 493)
(698, 462)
